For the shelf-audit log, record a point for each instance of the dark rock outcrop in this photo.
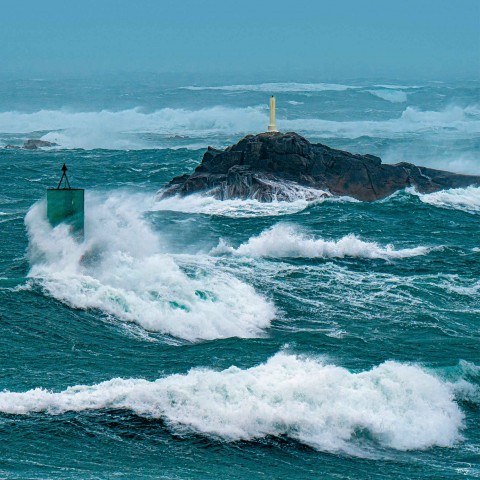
(272, 166)
(34, 144)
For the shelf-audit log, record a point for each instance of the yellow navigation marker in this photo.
(272, 127)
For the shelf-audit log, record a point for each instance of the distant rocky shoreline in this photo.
(32, 145)
(269, 166)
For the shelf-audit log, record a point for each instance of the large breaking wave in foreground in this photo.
(322, 405)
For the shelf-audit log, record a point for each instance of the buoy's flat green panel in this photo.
(66, 205)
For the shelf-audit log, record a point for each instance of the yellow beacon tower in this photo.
(272, 127)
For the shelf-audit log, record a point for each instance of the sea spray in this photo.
(277, 87)
(123, 270)
(322, 405)
(137, 128)
(205, 203)
(464, 199)
(283, 240)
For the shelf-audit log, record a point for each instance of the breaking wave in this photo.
(207, 204)
(123, 270)
(277, 87)
(286, 241)
(137, 129)
(454, 119)
(394, 96)
(324, 406)
(464, 199)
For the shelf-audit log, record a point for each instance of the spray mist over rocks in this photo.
(137, 128)
(137, 281)
(324, 406)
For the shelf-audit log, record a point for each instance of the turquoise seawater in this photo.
(194, 338)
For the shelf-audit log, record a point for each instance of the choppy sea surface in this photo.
(194, 338)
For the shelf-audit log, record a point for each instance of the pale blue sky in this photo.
(330, 39)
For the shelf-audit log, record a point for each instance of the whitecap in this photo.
(287, 241)
(393, 96)
(124, 270)
(206, 204)
(298, 199)
(321, 405)
(137, 129)
(463, 199)
(277, 87)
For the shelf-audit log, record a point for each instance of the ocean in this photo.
(196, 338)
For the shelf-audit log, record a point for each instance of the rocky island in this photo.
(32, 145)
(269, 166)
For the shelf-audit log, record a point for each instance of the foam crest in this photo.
(137, 129)
(464, 199)
(286, 241)
(452, 120)
(394, 96)
(122, 269)
(321, 405)
(209, 205)
(441, 158)
(397, 87)
(126, 129)
(277, 87)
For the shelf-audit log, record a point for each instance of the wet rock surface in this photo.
(34, 144)
(273, 166)
(31, 145)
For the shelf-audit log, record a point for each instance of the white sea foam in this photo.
(453, 120)
(321, 405)
(398, 87)
(122, 269)
(440, 157)
(277, 87)
(465, 199)
(394, 96)
(283, 241)
(300, 199)
(209, 205)
(125, 129)
(135, 128)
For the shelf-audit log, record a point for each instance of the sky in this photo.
(275, 39)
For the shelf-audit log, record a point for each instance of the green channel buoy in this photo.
(66, 205)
